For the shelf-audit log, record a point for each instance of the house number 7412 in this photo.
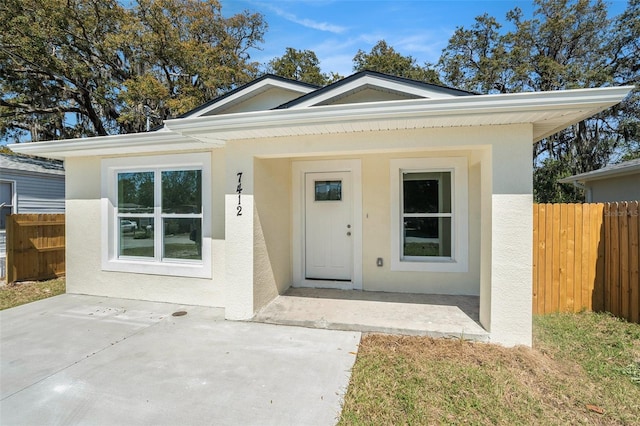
(239, 191)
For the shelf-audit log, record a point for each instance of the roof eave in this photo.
(583, 102)
(196, 133)
(137, 143)
(601, 174)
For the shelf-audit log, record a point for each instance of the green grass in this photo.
(580, 363)
(21, 293)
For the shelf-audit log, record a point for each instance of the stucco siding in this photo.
(272, 229)
(377, 239)
(511, 241)
(252, 253)
(84, 210)
(375, 150)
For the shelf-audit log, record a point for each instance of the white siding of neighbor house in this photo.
(618, 188)
(36, 192)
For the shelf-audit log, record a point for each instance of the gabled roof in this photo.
(30, 164)
(615, 170)
(364, 102)
(396, 88)
(281, 90)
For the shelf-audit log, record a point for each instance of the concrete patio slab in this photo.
(90, 360)
(379, 312)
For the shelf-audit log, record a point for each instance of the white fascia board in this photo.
(588, 101)
(375, 82)
(136, 143)
(254, 90)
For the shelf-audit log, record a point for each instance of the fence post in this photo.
(9, 264)
(634, 261)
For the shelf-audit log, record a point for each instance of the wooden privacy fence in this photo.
(35, 246)
(585, 257)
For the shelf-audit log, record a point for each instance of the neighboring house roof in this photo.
(343, 107)
(615, 170)
(31, 164)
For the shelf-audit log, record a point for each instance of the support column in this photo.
(509, 307)
(238, 235)
(511, 281)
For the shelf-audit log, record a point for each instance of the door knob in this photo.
(348, 226)
(348, 234)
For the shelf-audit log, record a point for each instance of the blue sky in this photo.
(336, 29)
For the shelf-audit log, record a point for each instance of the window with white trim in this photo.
(426, 215)
(7, 201)
(170, 231)
(429, 214)
(158, 215)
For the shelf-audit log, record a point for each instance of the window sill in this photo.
(444, 265)
(175, 269)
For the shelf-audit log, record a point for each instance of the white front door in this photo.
(328, 226)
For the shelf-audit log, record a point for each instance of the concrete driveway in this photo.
(88, 360)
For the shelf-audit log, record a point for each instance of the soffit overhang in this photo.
(547, 112)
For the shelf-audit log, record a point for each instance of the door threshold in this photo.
(328, 280)
(329, 284)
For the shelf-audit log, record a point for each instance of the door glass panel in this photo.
(427, 192)
(328, 190)
(182, 191)
(182, 238)
(427, 236)
(136, 237)
(135, 192)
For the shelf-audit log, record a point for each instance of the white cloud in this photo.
(305, 22)
(422, 46)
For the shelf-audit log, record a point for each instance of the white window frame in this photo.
(14, 197)
(110, 217)
(459, 260)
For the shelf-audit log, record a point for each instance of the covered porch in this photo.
(449, 316)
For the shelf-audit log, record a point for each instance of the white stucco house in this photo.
(373, 183)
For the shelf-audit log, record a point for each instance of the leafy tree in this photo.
(545, 183)
(300, 65)
(567, 44)
(72, 68)
(383, 58)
